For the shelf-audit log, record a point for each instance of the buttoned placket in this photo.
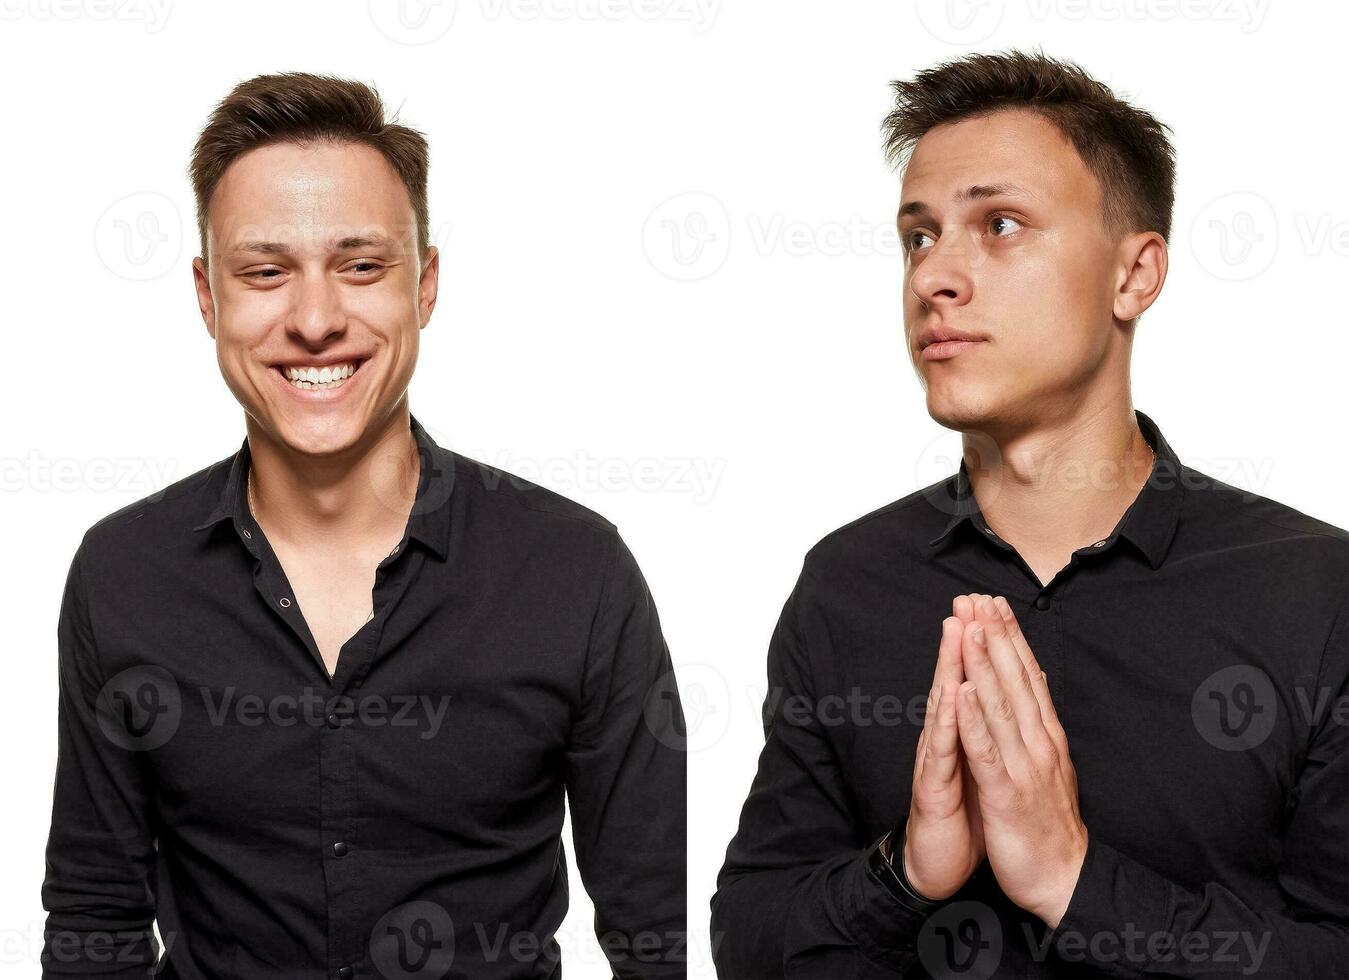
(338, 812)
(1039, 617)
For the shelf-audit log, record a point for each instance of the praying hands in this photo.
(993, 775)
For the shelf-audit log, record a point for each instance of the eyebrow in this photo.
(975, 192)
(348, 244)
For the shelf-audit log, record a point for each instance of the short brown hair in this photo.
(298, 107)
(1124, 147)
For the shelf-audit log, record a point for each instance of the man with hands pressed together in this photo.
(1151, 774)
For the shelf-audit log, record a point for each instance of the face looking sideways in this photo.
(316, 290)
(1004, 243)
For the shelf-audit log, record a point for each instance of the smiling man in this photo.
(1100, 700)
(321, 703)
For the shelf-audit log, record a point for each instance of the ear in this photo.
(201, 279)
(1142, 261)
(428, 285)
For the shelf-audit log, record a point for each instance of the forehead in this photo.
(288, 192)
(1009, 146)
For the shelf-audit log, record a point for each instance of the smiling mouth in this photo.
(325, 378)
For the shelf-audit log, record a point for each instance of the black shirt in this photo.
(401, 819)
(1198, 658)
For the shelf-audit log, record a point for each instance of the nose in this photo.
(318, 313)
(943, 277)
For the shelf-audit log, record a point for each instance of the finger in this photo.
(948, 675)
(1012, 675)
(1039, 682)
(920, 753)
(963, 606)
(929, 720)
(982, 754)
(999, 713)
(943, 743)
(1018, 638)
(950, 671)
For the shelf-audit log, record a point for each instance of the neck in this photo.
(362, 494)
(1052, 486)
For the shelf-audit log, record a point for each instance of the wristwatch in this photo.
(886, 862)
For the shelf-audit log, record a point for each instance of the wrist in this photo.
(1054, 906)
(886, 863)
(904, 861)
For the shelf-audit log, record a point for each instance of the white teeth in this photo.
(326, 377)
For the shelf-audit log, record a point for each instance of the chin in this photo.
(317, 433)
(960, 406)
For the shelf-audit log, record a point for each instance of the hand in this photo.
(944, 841)
(1017, 752)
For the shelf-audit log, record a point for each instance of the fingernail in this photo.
(1003, 606)
(979, 635)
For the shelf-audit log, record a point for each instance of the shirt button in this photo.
(395, 550)
(248, 534)
(340, 849)
(991, 531)
(334, 721)
(1099, 544)
(346, 973)
(1042, 602)
(285, 603)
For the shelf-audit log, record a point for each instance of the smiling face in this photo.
(314, 271)
(1004, 240)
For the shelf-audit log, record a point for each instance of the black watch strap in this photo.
(891, 872)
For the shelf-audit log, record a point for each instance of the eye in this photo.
(369, 267)
(263, 274)
(997, 219)
(911, 240)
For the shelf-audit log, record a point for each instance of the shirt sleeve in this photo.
(1120, 904)
(98, 889)
(626, 782)
(794, 897)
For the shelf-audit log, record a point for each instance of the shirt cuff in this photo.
(885, 929)
(1117, 910)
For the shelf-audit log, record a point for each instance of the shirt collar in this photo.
(1150, 522)
(429, 521)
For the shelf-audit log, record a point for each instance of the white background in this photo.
(727, 397)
